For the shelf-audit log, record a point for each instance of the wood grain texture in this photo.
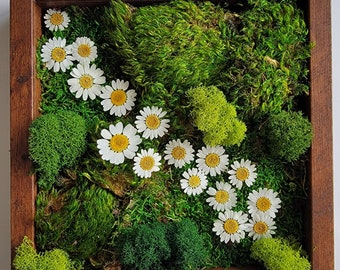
(24, 100)
(63, 3)
(321, 194)
(25, 96)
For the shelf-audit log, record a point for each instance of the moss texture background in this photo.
(254, 54)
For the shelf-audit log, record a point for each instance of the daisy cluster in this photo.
(121, 142)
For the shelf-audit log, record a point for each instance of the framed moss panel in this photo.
(25, 96)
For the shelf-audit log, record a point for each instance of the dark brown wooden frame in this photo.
(25, 28)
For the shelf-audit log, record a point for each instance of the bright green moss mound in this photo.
(173, 245)
(277, 254)
(56, 141)
(27, 258)
(177, 44)
(215, 117)
(289, 135)
(78, 220)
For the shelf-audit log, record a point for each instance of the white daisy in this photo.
(117, 99)
(152, 123)
(86, 81)
(179, 153)
(146, 162)
(263, 201)
(261, 226)
(212, 160)
(230, 226)
(84, 50)
(222, 198)
(56, 19)
(242, 172)
(194, 181)
(118, 143)
(56, 54)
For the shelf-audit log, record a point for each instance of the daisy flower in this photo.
(117, 99)
(261, 226)
(56, 19)
(83, 50)
(212, 160)
(56, 54)
(146, 162)
(118, 143)
(263, 201)
(230, 226)
(86, 81)
(179, 153)
(151, 122)
(242, 172)
(222, 198)
(194, 181)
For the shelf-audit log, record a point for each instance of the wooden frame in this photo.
(25, 93)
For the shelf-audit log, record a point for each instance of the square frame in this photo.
(25, 29)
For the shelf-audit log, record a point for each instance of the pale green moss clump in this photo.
(56, 140)
(277, 254)
(27, 258)
(215, 117)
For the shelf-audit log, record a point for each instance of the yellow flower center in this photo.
(152, 121)
(231, 226)
(118, 97)
(178, 152)
(84, 50)
(194, 181)
(57, 19)
(58, 54)
(119, 143)
(263, 204)
(260, 227)
(242, 174)
(212, 160)
(147, 163)
(222, 196)
(86, 81)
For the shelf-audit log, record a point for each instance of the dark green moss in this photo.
(173, 245)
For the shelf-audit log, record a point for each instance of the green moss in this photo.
(78, 220)
(168, 43)
(288, 134)
(56, 141)
(145, 247)
(215, 117)
(269, 55)
(27, 258)
(189, 249)
(173, 245)
(277, 254)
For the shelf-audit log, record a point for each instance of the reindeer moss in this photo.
(289, 135)
(215, 117)
(27, 258)
(173, 245)
(56, 141)
(278, 254)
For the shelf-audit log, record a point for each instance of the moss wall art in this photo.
(171, 135)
